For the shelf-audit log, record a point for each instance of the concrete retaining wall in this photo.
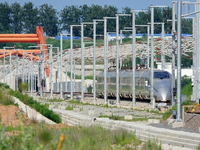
(33, 114)
(142, 131)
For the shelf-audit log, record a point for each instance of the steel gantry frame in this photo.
(94, 57)
(105, 57)
(152, 55)
(117, 56)
(71, 61)
(82, 59)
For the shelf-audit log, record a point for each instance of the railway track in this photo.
(110, 98)
(74, 93)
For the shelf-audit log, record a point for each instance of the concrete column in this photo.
(134, 59)
(105, 69)
(173, 51)
(31, 74)
(51, 69)
(94, 61)
(71, 60)
(152, 54)
(117, 60)
(61, 72)
(82, 64)
(179, 116)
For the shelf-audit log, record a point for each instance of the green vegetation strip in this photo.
(122, 118)
(92, 138)
(30, 102)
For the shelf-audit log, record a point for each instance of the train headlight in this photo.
(146, 83)
(192, 81)
(192, 84)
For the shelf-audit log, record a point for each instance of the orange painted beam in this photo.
(35, 52)
(18, 35)
(19, 40)
(7, 54)
(20, 53)
(28, 56)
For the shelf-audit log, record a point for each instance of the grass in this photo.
(55, 100)
(40, 137)
(122, 118)
(6, 92)
(70, 107)
(187, 90)
(198, 148)
(152, 145)
(167, 114)
(5, 97)
(79, 102)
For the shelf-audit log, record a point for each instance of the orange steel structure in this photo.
(37, 38)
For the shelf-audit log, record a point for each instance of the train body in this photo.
(161, 86)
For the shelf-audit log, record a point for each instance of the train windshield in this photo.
(161, 75)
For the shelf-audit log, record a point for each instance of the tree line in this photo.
(15, 18)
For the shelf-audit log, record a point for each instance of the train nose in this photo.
(163, 91)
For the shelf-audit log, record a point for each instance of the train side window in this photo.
(161, 75)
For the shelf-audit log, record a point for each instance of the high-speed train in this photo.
(161, 85)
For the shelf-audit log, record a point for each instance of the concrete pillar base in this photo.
(178, 124)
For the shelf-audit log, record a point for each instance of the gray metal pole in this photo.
(57, 80)
(17, 72)
(61, 72)
(179, 117)
(10, 70)
(117, 59)
(117, 56)
(107, 52)
(194, 60)
(71, 60)
(25, 72)
(31, 74)
(173, 51)
(94, 62)
(40, 67)
(82, 65)
(148, 46)
(38, 73)
(66, 74)
(197, 76)
(29, 79)
(120, 48)
(162, 49)
(74, 73)
(105, 70)
(4, 69)
(152, 55)
(51, 85)
(35, 82)
(134, 59)
(23, 68)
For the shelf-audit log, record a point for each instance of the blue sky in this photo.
(134, 4)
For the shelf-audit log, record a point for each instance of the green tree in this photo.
(110, 11)
(48, 19)
(70, 15)
(125, 21)
(16, 16)
(5, 19)
(30, 17)
(187, 26)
